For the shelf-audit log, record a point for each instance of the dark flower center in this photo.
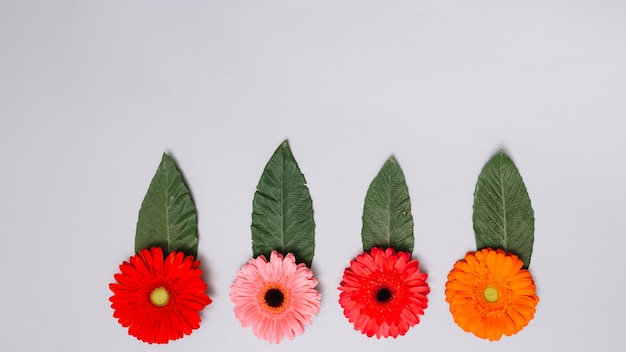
(383, 295)
(274, 298)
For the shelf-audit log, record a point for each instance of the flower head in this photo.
(383, 292)
(159, 300)
(276, 297)
(490, 294)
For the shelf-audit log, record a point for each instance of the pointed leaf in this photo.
(167, 217)
(282, 210)
(503, 217)
(387, 219)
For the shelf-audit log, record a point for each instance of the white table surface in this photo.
(92, 92)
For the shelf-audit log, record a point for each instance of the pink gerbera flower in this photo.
(277, 298)
(383, 292)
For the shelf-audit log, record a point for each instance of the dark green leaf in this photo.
(167, 217)
(503, 217)
(282, 210)
(387, 219)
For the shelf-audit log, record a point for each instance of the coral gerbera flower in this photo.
(277, 298)
(159, 300)
(383, 292)
(490, 294)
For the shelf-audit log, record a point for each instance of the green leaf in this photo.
(167, 217)
(282, 210)
(387, 219)
(503, 217)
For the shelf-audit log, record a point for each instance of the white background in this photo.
(92, 92)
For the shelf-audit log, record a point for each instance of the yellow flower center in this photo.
(159, 297)
(491, 294)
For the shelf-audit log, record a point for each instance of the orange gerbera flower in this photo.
(159, 299)
(490, 295)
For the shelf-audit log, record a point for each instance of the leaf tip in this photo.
(166, 161)
(501, 154)
(391, 162)
(499, 159)
(283, 148)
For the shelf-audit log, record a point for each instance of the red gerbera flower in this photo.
(383, 292)
(159, 300)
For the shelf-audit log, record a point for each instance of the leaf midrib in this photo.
(388, 210)
(167, 212)
(282, 203)
(505, 238)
